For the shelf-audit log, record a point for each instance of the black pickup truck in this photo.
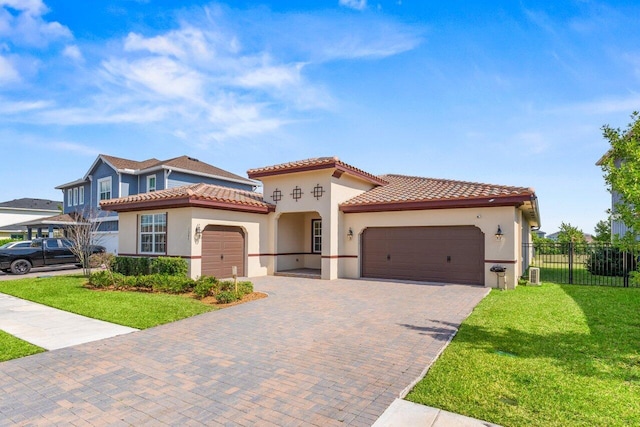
(41, 253)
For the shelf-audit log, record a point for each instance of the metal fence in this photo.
(583, 264)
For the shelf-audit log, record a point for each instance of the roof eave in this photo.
(515, 201)
(184, 202)
(307, 168)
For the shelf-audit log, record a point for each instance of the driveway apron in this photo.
(314, 353)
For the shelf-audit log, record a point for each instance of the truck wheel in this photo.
(20, 266)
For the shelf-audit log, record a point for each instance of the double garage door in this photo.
(430, 254)
(222, 249)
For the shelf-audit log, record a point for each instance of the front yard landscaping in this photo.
(555, 355)
(139, 310)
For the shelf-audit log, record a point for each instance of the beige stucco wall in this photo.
(336, 191)
(505, 252)
(288, 229)
(181, 239)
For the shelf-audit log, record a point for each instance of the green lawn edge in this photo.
(13, 348)
(554, 355)
(138, 310)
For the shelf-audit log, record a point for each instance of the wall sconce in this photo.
(350, 233)
(198, 232)
(499, 234)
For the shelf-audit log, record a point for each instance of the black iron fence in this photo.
(584, 264)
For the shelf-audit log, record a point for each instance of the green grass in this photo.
(544, 356)
(134, 309)
(12, 347)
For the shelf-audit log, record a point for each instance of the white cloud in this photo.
(27, 27)
(73, 52)
(162, 76)
(32, 7)
(17, 107)
(222, 74)
(354, 4)
(276, 76)
(8, 73)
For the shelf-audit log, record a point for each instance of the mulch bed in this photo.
(250, 297)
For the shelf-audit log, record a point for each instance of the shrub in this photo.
(171, 266)
(172, 284)
(245, 288)
(131, 266)
(106, 279)
(205, 286)
(227, 285)
(609, 261)
(98, 260)
(146, 281)
(225, 297)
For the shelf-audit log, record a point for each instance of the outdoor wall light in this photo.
(499, 234)
(198, 233)
(350, 233)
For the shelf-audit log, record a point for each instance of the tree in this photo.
(603, 231)
(621, 167)
(570, 234)
(82, 234)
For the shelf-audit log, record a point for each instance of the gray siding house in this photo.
(112, 177)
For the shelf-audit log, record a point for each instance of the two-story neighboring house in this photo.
(112, 177)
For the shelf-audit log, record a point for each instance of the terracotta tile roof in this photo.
(425, 192)
(182, 162)
(313, 164)
(192, 195)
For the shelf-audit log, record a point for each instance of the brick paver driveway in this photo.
(313, 353)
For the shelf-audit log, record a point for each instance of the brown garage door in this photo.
(433, 254)
(222, 248)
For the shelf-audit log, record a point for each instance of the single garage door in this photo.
(432, 254)
(222, 248)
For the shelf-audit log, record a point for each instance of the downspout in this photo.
(536, 209)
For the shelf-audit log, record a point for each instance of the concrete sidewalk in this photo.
(402, 413)
(51, 328)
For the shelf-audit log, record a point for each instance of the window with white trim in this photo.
(104, 189)
(316, 236)
(70, 197)
(153, 233)
(81, 195)
(75, 196)
(151, 183)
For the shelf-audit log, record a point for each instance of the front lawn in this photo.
(139, 310)
(12, 347)
(555, 355)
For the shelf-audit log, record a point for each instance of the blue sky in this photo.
(501, 92)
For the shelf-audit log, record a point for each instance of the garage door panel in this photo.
(222, 248)
(442, 254)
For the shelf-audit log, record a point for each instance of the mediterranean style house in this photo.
(325, 218)
(112, 177)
